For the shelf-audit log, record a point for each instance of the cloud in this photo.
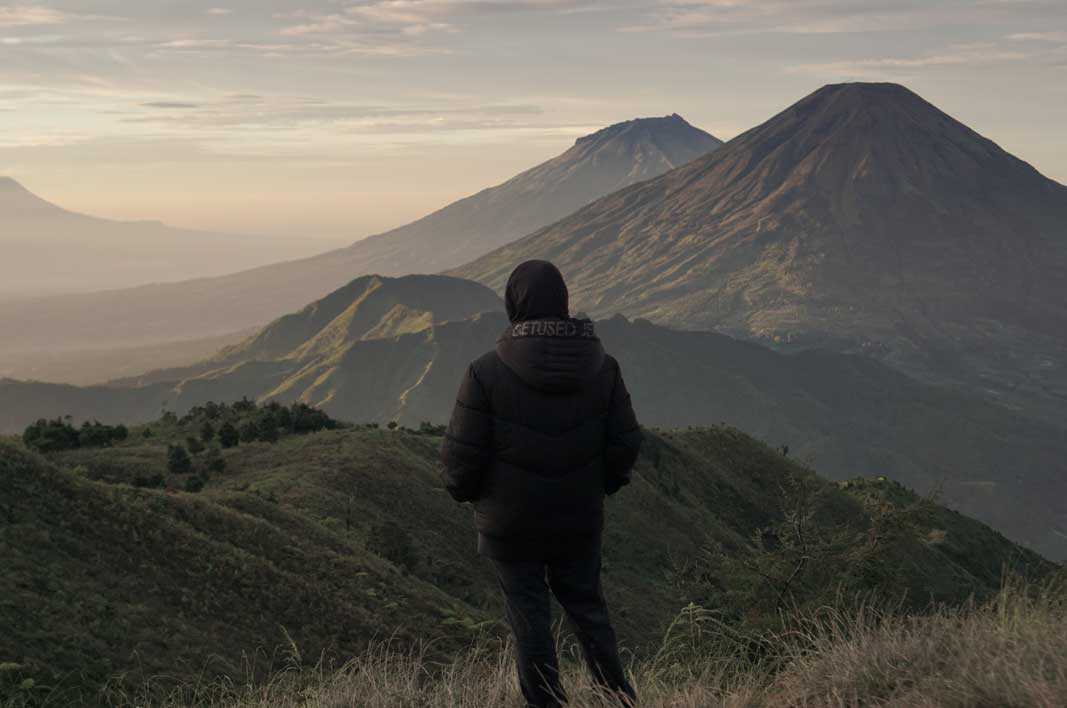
(1039, 36)
(707, 18)
(170, 104)
(194, 44)
(416, 17)
(959, 55)
(29, 15)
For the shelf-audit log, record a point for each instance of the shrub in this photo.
(155, 481)
(214, 461)
(194, 484)
(51, 435)
(178, 460)
(249, 431)
(267, 428)
(207, 432)
(305, 419)
(392, 542)
(194, 445)
(59, 434)
(228, 435)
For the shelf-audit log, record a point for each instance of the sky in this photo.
(342, 118)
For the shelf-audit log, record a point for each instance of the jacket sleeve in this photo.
(623, 438)
(468, 445)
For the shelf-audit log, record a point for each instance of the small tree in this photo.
(207, 432)
(194, 445)
(267, 428)
(178, 460)
(249, 431)
(228, 435)
(214, 461)
(194, 484)
(392, 425)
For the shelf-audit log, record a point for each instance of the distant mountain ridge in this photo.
(370, 307)
(862, 217)
(49, 249)
(596, 165)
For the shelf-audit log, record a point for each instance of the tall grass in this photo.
(1010, 651)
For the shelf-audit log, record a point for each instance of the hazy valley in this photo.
(49, 250)
(216, 306)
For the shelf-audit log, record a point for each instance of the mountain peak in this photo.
(9, 184)
(17, 202)
(670, 124)
(862, 214)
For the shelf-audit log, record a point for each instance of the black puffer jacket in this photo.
(542, 429)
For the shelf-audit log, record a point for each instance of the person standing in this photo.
(543, 429)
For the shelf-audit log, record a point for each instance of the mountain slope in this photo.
(596, 165)
(291, 548)
(861, 217)
(48, 249)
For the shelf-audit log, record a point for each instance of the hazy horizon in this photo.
(343, 119)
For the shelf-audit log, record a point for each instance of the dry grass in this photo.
(1011, 651)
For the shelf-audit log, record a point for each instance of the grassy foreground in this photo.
(123, 582)
(1009, 651)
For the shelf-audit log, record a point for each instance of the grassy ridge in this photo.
(1011, 651)
(326, 542)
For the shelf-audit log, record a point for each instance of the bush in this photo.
(249, 431)
(51, 435)
(228, 435)
(194, 484)
(392, 542)
(59, 434)
(207, 432)
(155, 481)
(305, 419)
(194, 445)
(178, 460)
(267, 428)
(214, 461)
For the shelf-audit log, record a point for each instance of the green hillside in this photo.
(386, 349)
(321, 543)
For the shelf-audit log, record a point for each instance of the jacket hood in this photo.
(558, 355)
(536, 290)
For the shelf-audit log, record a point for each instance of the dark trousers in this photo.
(576, 584)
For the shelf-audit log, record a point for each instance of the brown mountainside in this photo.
(863, 217)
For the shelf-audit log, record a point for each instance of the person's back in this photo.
(542, 430)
